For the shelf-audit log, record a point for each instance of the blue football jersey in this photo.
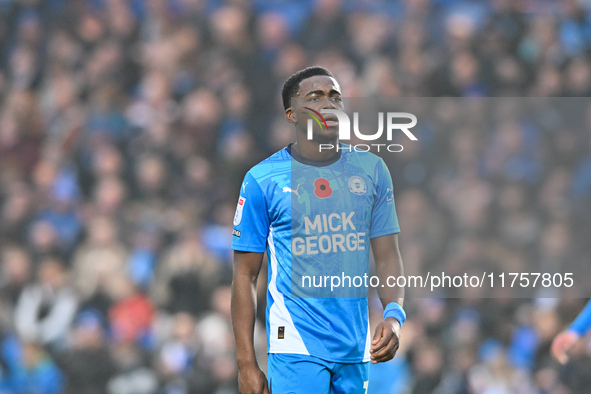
(316, 220)
(582, 323)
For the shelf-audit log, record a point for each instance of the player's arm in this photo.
(388, 263)
(247, 266)
(566, 339)
(251, 227)
(384, 244)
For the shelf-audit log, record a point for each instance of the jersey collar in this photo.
(316, 163)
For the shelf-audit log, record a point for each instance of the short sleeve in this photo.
(384, 220)
(251, 220)
(583, 321)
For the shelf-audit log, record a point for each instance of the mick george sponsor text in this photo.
(329, 233)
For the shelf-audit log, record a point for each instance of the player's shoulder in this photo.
(273, 165)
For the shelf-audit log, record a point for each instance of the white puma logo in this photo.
(289, 190)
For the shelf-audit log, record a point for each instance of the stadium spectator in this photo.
(46, 308)
(86, 362)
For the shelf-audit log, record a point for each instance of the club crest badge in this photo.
(357, 185)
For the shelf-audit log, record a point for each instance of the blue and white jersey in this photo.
(316, 220)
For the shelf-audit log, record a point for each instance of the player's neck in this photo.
(311, 150)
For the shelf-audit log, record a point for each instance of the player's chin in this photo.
(326, 137)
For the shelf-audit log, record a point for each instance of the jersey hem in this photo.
(322, 357)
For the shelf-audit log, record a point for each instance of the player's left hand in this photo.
(386, 340)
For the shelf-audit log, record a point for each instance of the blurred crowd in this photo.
(126, 127)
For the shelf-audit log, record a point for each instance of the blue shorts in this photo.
(301, 374)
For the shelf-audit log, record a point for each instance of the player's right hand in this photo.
(251, 380)
(562, 344)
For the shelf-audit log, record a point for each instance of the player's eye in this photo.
(337, 98)
(313, 99)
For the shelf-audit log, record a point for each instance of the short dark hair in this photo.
(291, 86)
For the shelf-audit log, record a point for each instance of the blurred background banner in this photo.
(126, 128)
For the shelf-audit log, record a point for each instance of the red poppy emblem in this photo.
(322, 188)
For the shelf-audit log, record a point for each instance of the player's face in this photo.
(317, 93)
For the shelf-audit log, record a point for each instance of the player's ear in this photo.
(290, 115)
